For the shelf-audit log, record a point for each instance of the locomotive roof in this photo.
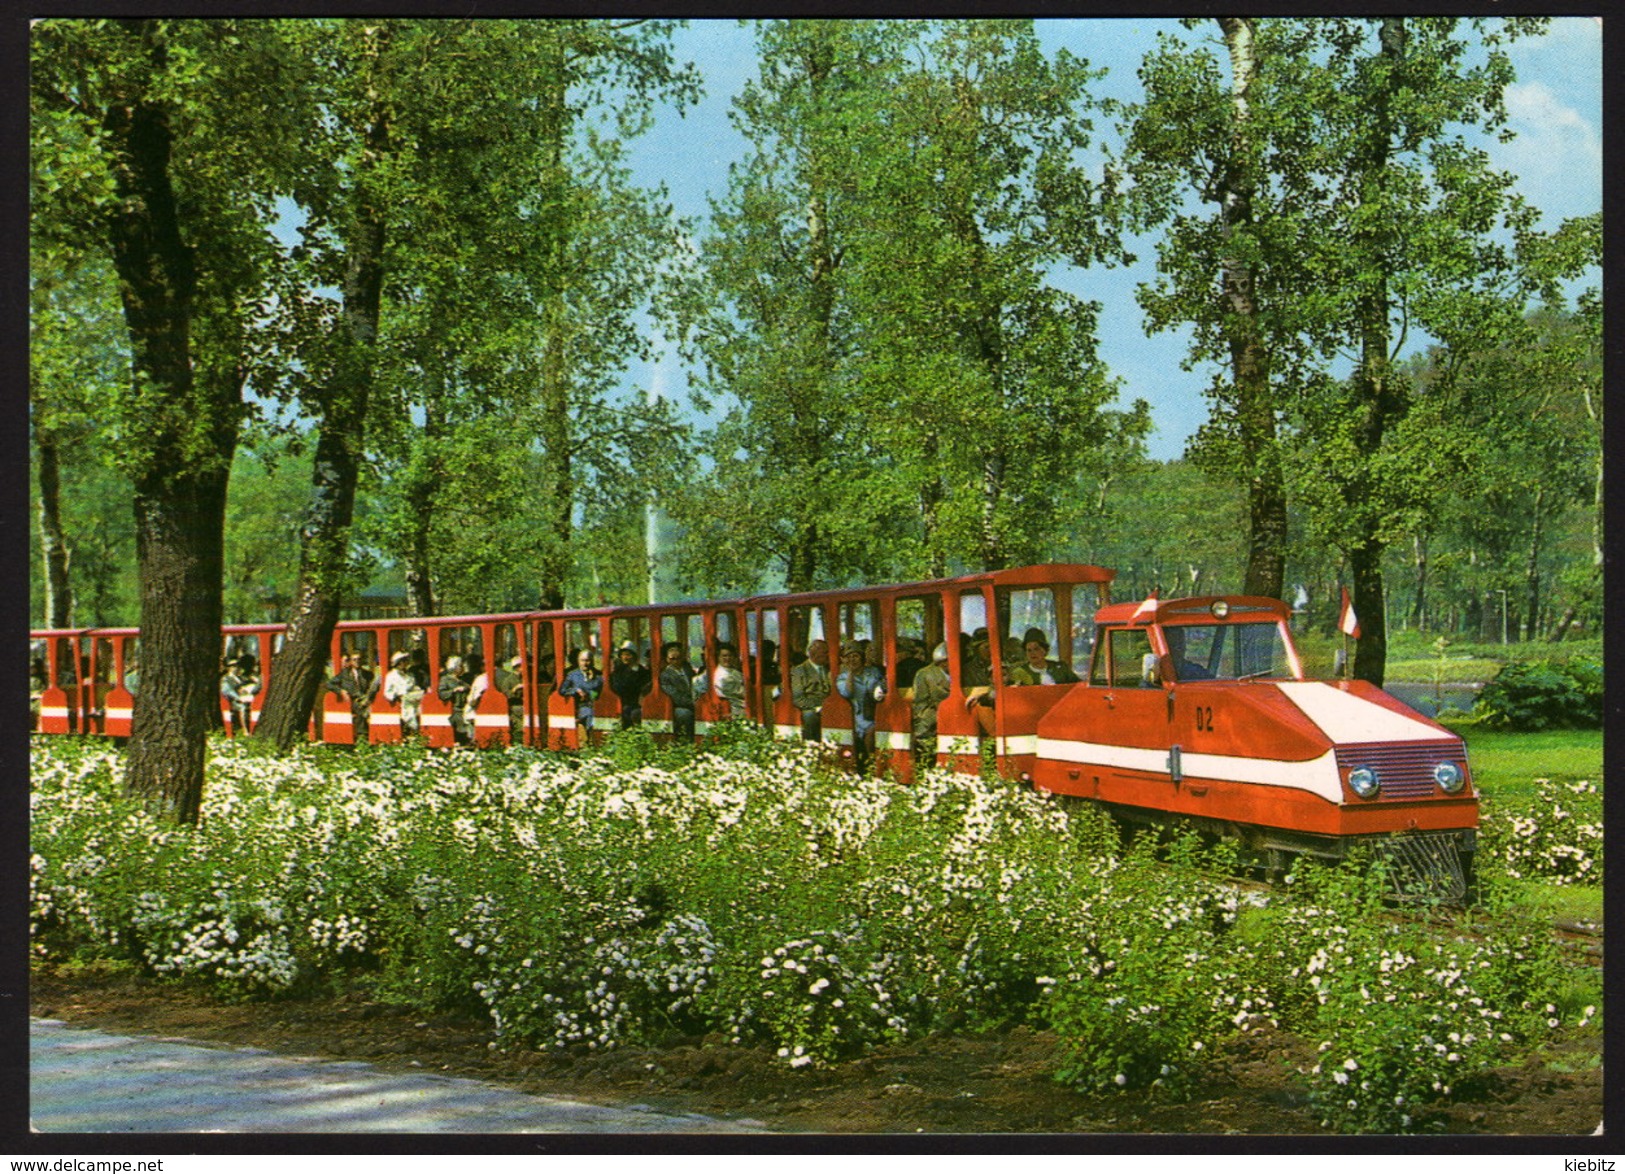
(1195, 609)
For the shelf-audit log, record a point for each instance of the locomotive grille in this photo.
(1404, 769)
(1427, 867)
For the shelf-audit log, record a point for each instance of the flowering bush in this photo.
(1555, 837)
(1155, 977)
(600, 900)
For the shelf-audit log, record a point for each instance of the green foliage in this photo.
(1555, 836)
(270, 488)
(876, 316)
(628, 896)
(215, 87)
(1541, 695)
(1154, 982)
(1505, 764)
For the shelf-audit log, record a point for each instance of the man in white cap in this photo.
(401, 688)
(931, 689)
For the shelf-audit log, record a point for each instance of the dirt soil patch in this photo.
(998, 1083)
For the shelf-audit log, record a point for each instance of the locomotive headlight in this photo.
(1449, 777)
(1220, 609)
(1364, 781)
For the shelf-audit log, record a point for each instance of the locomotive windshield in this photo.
(1228, 652)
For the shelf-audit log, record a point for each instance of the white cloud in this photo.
(1534, 104)
(1557, 154)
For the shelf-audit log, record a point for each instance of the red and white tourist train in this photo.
(1195, 710)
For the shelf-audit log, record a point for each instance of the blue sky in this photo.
(1555, 109)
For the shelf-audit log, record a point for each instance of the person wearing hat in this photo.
(630, 681)
(978, 679)
(1036, 668)
(862, 685)
(931, 688)
(238, 687)
(401, 688)
(909, 661)
(511, 684)
(453, 690)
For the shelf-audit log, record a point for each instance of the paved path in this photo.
(86, 1081)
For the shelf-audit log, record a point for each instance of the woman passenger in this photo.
(862, 685)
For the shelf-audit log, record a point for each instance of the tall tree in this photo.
(1414, 209)
(1240, 273)
(452, 182)
(270, 482)
(76, 362)
(604, 247)
(977, 377)
(348, 223)
(766, 316)
(156, 144)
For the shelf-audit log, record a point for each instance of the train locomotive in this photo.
(1193, 711)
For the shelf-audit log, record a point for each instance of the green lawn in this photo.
(1457, 668)
(1507, 764)
(1565, 902)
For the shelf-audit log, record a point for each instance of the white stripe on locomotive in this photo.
(1316, 775)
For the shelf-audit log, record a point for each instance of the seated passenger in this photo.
(676, 682)
(909, 661)
(1010, 658)
(978, 681)
(863, 685)
(1036, 667)
(401, 688)
(809, 685)
(931, 689)
(630, 681)
(768, 664)
(453, 690)
(729, 681)
(584, 683)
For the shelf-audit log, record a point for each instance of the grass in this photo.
(1564, 902)
(1456, 668)
(1506, 764)
(1413, 657)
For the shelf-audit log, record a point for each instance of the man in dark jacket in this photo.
(676, 682)
(356, 681)
(630, 681)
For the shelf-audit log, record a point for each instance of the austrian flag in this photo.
(1146, 610)
(1347, 622)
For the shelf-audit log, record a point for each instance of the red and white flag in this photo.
(1347, 622)
(1146, 609)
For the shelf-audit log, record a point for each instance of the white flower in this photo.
(1120, 1079)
